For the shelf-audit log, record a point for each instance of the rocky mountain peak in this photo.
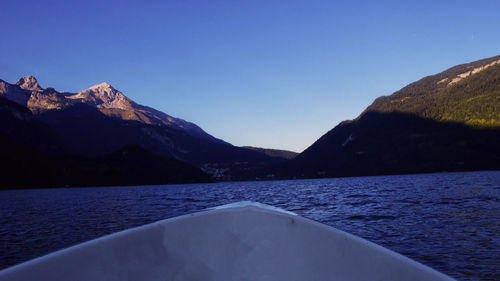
(103, 86)
(103, 95)
(29, 83)
(104, 91)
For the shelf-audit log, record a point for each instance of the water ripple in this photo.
(449, 221)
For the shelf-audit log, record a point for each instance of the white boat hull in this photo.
(240, 242)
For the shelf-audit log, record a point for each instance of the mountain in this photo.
(33, 155)
(103, 97)
(445, 122)
(23, 143)
(18, 124)
(90, 132)
(278, 153)
(467, 94)
(101, 120)
(133, 165)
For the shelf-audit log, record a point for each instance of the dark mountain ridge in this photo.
(101, 120)
(33, 156)
(18, 124)
(399, 143)
(445, 122)
(278, 153)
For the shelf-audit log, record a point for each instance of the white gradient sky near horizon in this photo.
(274, 74)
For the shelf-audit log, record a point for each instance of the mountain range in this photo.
(101, 121)
(35, 155)
(98, 136)
(103, 97)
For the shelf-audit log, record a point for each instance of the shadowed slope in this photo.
(445, 122)
(34, 155)
(397, 143)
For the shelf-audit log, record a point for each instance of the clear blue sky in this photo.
(275, 74)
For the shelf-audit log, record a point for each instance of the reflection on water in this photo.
(449, 221)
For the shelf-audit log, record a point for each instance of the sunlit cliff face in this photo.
(29, 83)
(468, 73)
(104, 96)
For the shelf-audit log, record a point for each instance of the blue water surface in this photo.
(449, 221)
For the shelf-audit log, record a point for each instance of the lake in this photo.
(449, 221)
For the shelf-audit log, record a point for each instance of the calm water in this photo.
(449, 221)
